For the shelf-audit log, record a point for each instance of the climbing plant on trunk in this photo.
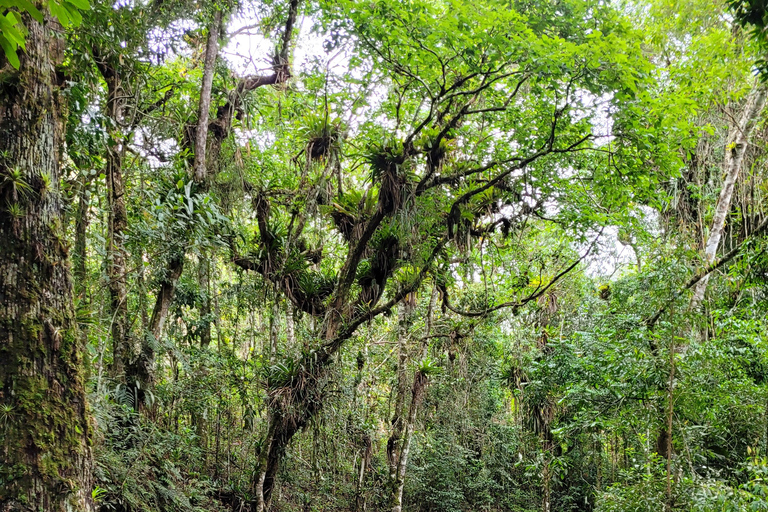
(45, 439)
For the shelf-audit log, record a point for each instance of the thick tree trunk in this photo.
(738, 139)
(45, 459)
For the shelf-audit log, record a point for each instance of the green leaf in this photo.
(10, 51)
(60, 13)
(26, 5)
(83, 5)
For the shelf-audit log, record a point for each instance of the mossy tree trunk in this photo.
(45, 458)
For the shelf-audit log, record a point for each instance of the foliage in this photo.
(463, 233)
(13, 30)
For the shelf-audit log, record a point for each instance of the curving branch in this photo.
(349, 328)
(515, 305)
(221, 127)
(704, 274)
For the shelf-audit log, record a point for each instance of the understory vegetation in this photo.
(429, 255)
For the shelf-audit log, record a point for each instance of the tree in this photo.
(390, 263)
(45, 438)
(447, 83)
(735, 149)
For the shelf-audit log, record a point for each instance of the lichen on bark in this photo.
(45, 460)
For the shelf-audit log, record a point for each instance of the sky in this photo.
(250, 53)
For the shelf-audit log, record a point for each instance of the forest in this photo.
(383, 255)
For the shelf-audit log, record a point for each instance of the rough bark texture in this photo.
(123, 351)
(45, 458)
(738, 139)
(201, 136)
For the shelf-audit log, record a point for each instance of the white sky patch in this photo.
(611, 257)
(158, 39)
(250, 53)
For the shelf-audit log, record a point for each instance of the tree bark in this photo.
(282, 428)
(80, 256)
(738, 139)
(165, 295)
(204, 283)
(394, 443)
(123, 351)
(201, 135)
(365, 460)
(45, 457)
(420, 382)
(290, 326)
(670, 415)
(292, 406)
(176, 263)
(273, 330)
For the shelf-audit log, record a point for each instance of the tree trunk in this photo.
(80, 256)
(261, 467)
(364, 462)
(273, 331)
(201, 135)
(123, 350)
(142, 368)
(45, 436)
(394, 443)
(738, 139)
(290, 326)
(204, 283)
(670, 415)
(281, 429)
(420, 382)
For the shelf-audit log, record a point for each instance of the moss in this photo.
(49, 428)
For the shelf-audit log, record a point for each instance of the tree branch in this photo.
(651, 322)
(533, 296)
